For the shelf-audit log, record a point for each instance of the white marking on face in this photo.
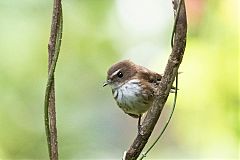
(115, 73)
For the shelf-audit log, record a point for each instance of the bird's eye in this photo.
(119, 74)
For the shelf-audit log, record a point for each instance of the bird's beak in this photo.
(105, 84)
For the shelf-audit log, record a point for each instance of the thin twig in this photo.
(175, 95)
(49, 102)
(165, 126)
(176, 19)
(165, 85)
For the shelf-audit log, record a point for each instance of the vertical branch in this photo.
(49, 102)
(171, 70)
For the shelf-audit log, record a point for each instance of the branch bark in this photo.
(165, 85)
(49, 102)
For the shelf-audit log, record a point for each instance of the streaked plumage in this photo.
(133, 87)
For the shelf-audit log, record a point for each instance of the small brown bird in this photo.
(133, 87)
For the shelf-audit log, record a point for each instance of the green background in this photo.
(97, 34)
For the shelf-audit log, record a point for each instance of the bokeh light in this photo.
(96, 34)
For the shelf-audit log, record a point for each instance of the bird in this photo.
(133, 87)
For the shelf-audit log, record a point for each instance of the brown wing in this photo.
(149, 76)
(153, 78)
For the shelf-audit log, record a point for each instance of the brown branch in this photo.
(49, 103)
(165, 85)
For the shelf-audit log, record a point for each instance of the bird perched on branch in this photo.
(133, 87)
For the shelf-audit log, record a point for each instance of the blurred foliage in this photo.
(90, 125)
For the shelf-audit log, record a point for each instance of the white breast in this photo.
(129, 98)
(129, 90)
